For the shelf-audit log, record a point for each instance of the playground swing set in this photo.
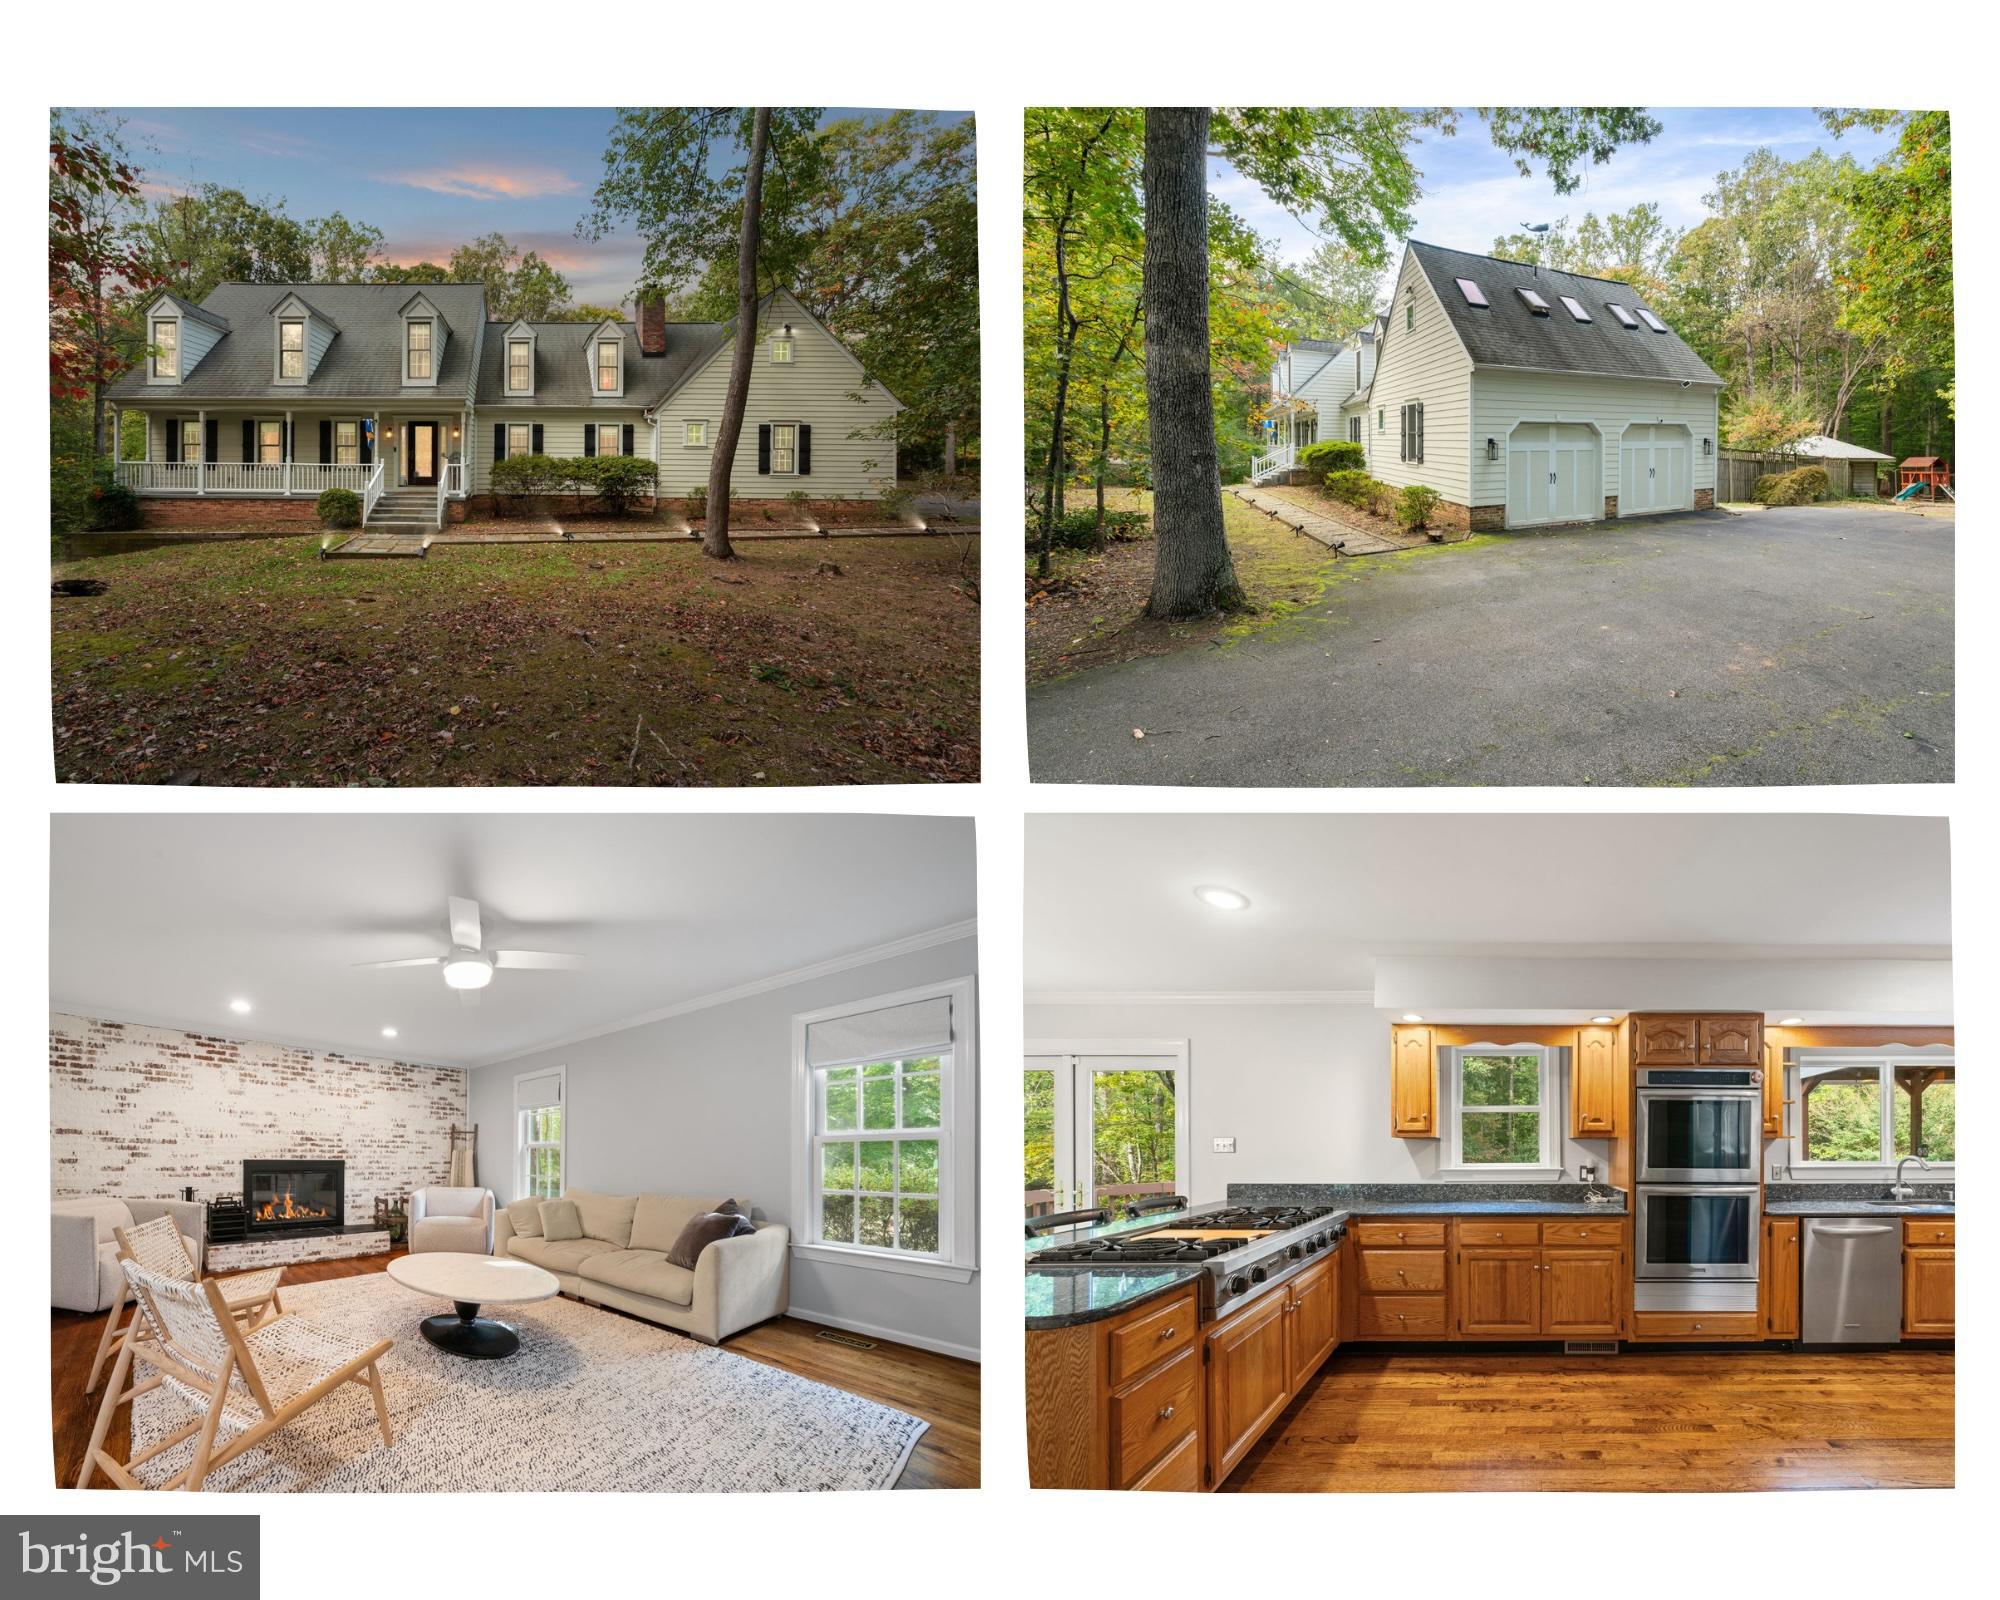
(1928, 476)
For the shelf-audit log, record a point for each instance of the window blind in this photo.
(920, 1028)
(544, 1089)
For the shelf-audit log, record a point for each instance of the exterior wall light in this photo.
(1708, 447)
(1492, 449)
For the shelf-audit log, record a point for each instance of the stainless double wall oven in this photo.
(1697, 1217)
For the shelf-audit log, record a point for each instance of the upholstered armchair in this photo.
(84, 1274)
(455, 1220)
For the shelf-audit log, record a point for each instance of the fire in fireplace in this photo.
(293, 1193)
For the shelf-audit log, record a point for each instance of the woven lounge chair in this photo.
(159, 1246)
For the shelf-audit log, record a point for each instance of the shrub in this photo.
(696, 501)
(111, 508)
(338, 508)
(1415, 505)
(525, 477)
(1333, 455)
(619, 480)
(896, 500)
(801, 504)
(1801, 486)
(1362, 492)
(1077, 530)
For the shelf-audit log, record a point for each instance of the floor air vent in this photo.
(848, 1339)
(1590, 1347)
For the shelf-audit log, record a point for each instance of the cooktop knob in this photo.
(1239, 1284)
(1296, 1251)
(1258, 1274)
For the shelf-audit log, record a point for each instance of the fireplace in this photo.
(292, 1193)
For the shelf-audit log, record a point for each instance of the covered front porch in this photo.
(404, 467)
(1289, 426)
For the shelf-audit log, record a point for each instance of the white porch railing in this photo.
(268, 479)
(448, 486)
(1279, 460)
(371, 492)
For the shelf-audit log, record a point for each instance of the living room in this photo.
(405, 1153)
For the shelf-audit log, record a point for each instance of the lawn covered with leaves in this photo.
(255, 662)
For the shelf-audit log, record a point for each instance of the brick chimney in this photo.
(652, 322)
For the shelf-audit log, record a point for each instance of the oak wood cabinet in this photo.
(1779, 1269)
(1683, 1039)
(1499, 1292)
(1730, 1041)
(1413, 1093)
(1930, 1249)
(1249, 1380)
(1597, 1085)
(1663, 1041)
(1117, 1403)
(1774, 1089)
(1570, 1286)
(1583, 1293)
(1315, 1312)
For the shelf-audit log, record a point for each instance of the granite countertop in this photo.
(1860, 1208)
(1484, 1208)
(1061, 1297)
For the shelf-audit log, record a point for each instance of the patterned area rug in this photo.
(591, 1401)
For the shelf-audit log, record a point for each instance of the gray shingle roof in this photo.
(562, 364)
(363, 362)
(318, 315)
(188, 308)
(1506, 333)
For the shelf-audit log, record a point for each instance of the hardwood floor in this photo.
(943, 1390)
(1646, 1419)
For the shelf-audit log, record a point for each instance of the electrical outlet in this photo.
(1225, 1147)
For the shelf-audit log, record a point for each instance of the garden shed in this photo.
(1850, 468)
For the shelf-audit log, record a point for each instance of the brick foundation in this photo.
(1704, 499)
(1611, 508)
(283, 517)
(1487, 519)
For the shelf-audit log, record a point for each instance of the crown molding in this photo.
(1203, 997)
(950, 933)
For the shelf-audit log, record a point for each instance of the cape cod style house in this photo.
(1524, 396)
(407, 395)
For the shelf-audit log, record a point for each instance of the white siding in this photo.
(1501, 399)
(1425, 364)
(562, 432)
(813, 388)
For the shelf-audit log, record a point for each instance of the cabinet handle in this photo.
(1168, 1333)
(1697, 1327)
(1166, 1413)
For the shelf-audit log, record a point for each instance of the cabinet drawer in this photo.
(1148, 1417)
(1401, 1316)
(1930, 1230)
(1484, 1231)
(1694, 1325)
(1149, 1338)
(1583, 1232)
(1392, 1234)
(1402, 1271)
(1178, 1470)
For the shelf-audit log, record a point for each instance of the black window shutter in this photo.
(1420, 431)
(535, 440)
(325, 439)
(499, 441)
(212, 444)
(590, 440)
(626, 435)
(173, 432)
(764, 447)
(367, 443)
(249, 440)
(805, 448)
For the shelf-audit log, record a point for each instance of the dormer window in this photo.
(781, 350)
(609, 353)
(418, 347)
(292, 349)
(520, 365)
(167, 349)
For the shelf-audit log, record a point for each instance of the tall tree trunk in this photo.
(715, 524)
(1888, 392)
(1103, 451)
(951, 449)
(1192, 572)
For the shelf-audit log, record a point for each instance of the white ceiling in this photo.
(1110, 904)
(167, 918)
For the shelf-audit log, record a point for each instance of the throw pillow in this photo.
(526, 1216)
(561, 1220)
(704, 1230)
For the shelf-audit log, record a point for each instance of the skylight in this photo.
(1474, 295)
(1574, 307)
(1652, 321)
(1533, 301)
(1625, 318)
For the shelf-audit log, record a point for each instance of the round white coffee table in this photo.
(470, 1282)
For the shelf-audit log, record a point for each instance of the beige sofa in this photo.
(621, 1262)
(84, 1274)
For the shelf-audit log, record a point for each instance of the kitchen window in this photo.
(419, 352)
(520, 438)
(886, 1097)
(539, 1134)
(347, 443)
(166, 349)
(291, 349)
(1871, 1111)
(1503, 1107)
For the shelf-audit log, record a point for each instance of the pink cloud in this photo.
(488, 183)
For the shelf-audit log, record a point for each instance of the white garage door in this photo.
(1553, 474)
(1655, 469)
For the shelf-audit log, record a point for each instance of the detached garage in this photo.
(1547, 397)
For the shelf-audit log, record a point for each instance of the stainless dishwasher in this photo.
(1853, 1292)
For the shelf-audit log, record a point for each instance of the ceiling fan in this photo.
(467, 967)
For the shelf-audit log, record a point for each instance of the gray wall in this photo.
(701, 1104)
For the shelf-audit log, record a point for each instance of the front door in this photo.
(422, 455)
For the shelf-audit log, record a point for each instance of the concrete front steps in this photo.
(404, 511)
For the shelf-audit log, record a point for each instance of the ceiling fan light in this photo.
(468, 971)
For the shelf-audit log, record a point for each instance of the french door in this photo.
(1104, 1124)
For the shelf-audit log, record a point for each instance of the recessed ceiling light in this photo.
(388, 1033)
(239, 1006)
(1212, 894)
(1600, 1019)
(1790, 1022)
(1411, 1016)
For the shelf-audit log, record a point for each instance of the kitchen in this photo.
(1430, 1152)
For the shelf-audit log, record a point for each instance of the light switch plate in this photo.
(1225, 1147)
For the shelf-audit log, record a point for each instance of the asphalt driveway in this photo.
(1807, 645)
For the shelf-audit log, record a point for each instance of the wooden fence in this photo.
(1737, 472)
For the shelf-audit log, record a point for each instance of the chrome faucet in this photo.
(1900, 1190)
